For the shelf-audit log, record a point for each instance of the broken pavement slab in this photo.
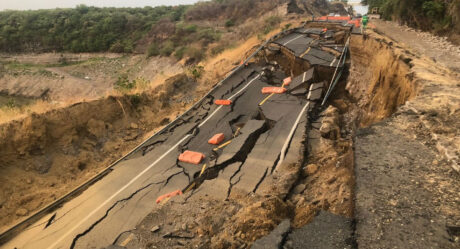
(220, 186)
(132, 197)
(235, 150)
(302, 81)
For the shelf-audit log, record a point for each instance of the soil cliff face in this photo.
(44, 156)
(380, 78)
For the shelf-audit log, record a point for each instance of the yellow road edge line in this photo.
(263, 101)
(222, 145)
(190, 187)
(236, 132)
(127, 240)
(202, 170)
(306, 52)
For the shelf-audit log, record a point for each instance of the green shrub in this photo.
(433, 9)
(287, 26)
(195, 53)
(229, 23)
(123, 84)
(11, 103)
(153, 50)
(167, 48)
(179, 53)
(196, 71)
(128, 46)
(135, 100)
(208, 35)
(117, 47)
(273, 20)
(191, 28)
(271, 23)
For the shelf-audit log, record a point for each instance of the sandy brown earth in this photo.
(323, 180)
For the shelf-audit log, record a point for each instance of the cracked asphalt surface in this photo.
(119, 201)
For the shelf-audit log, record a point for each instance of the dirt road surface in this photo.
(407, 177)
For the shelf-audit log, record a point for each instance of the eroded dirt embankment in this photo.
(380, 78)
(43, 156)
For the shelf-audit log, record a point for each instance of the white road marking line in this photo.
(286, 43)
(246, 86)
(230, 98)
(304, 75)
(309, 92)
(289, 138)
(332, 63)
(210, 116)
(115, 194)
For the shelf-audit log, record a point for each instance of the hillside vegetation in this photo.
(82, 29)
(440, 16)
(161, 30)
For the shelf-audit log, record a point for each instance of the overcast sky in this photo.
(51, 4)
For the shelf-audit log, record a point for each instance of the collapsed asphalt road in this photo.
(260, 128)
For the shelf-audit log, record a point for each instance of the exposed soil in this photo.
(378, 82)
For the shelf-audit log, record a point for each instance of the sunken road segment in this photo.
(259, 127)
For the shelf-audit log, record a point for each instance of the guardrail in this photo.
(335, 79)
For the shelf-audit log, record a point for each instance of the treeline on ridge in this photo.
(160, 30)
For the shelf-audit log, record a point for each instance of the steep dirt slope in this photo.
(44, 156)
